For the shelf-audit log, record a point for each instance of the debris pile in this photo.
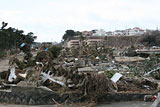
(136, 85)
(81, 71)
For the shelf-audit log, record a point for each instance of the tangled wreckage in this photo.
(72, 72)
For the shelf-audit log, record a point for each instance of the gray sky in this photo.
(49, 19)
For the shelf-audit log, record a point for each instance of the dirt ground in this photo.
(4, 64)
(116, 104)
(14, 105)
(127, 104)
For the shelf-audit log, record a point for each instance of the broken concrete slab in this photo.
(129, 59)
(86, 69)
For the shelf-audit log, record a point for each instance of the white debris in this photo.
(100, 72)
(40, 63)
(97, 57)
(12, 75)
(116, 77)
(22, 75)
(71, 85)
(9, 84)
(76, 59)
(45, 88)
(49, 72)
(47, 76)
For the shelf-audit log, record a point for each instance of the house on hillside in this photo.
(134, 31)
(95, 41)
(100, 32)
(118, 33)
(73, 43)
(109, 33)
(89, 40)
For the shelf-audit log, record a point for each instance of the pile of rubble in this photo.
(84, 73)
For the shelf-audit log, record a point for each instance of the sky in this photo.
(49, 19)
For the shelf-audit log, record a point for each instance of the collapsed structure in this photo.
(91, 71)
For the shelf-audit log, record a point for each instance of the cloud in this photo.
(50, 18)
(10, 15)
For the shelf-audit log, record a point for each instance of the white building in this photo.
(134, 31)
(100, 32)
(118, 32)
(109, 33)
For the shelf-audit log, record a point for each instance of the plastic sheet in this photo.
(116, 77)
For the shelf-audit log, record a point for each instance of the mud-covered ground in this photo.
(4, 64)
(127, 104)
(14, 105)
(116, 104)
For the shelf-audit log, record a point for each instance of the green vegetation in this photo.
(136, 70)
(151, 63)
(70, 33)
(55, 50)
(146, 66)
(110, 74)
(11, 38)
(3, 54)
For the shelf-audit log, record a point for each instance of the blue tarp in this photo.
(22, 44)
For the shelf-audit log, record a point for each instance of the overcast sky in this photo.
(49, 19)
